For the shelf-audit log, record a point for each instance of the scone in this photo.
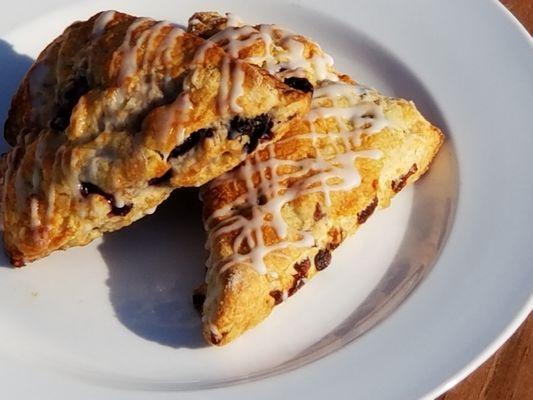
(274, 221)
(297, 60)
(116, 113)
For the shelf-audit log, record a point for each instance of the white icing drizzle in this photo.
(334, 90)
(173, 120)
(69, 170)
(51, 202)
(199, 56)
(20, 189)
(35, 222)
(295, 59)
(40, 148)
(129, 53)
(224, 86)
(214, 330)
(150, 211)
(233, 20)
(273, 275)
(366, 118)
(101, 23)
(233, 40)
(182, 110)
(231, 86)
(176, 113)
(269, 61)
(94, 164)
(320, 63)
(237, 89)
(26, 192)
(119, 201)
(166, 45)
(289, 51)
(331, 173)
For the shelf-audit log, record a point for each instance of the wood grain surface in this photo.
(522, 10)
(508, 374)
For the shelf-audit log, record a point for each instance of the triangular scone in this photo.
(117, 112)
(273, 222)
(293, 58)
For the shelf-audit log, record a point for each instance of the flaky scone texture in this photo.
(291, 57)
(117, 112)
(274, 221)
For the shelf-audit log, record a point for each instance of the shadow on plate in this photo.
(150, 281)
(13, 67)
(154, 265)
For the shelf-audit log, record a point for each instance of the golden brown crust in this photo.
(206, 24)
(316, 216)
(116, 113)
(240, 297)
(280, 51)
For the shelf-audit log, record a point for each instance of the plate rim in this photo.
(527, 306)
(519, 319)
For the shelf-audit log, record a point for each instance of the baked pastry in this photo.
(117, 112)
(297, 60)
(274, 221)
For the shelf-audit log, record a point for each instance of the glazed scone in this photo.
(274, 221)
(294, 58)
(116, 113)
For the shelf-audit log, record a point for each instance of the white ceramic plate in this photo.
(114, 320)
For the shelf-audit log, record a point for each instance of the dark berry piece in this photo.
(261, 200)
(322, 259)
(298, 283)
(277, 295)
(191, 141)
(318, 214)
(121, 211)
(302, 267)
(67, 99)
(367, 212)
(255, 128)
(301, 84)
(88, 188)
(74, 89)
(336, 235)
(400, 183)
(215, 339)
(61, 120)
(161, 179)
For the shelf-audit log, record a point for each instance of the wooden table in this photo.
(508, 374)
